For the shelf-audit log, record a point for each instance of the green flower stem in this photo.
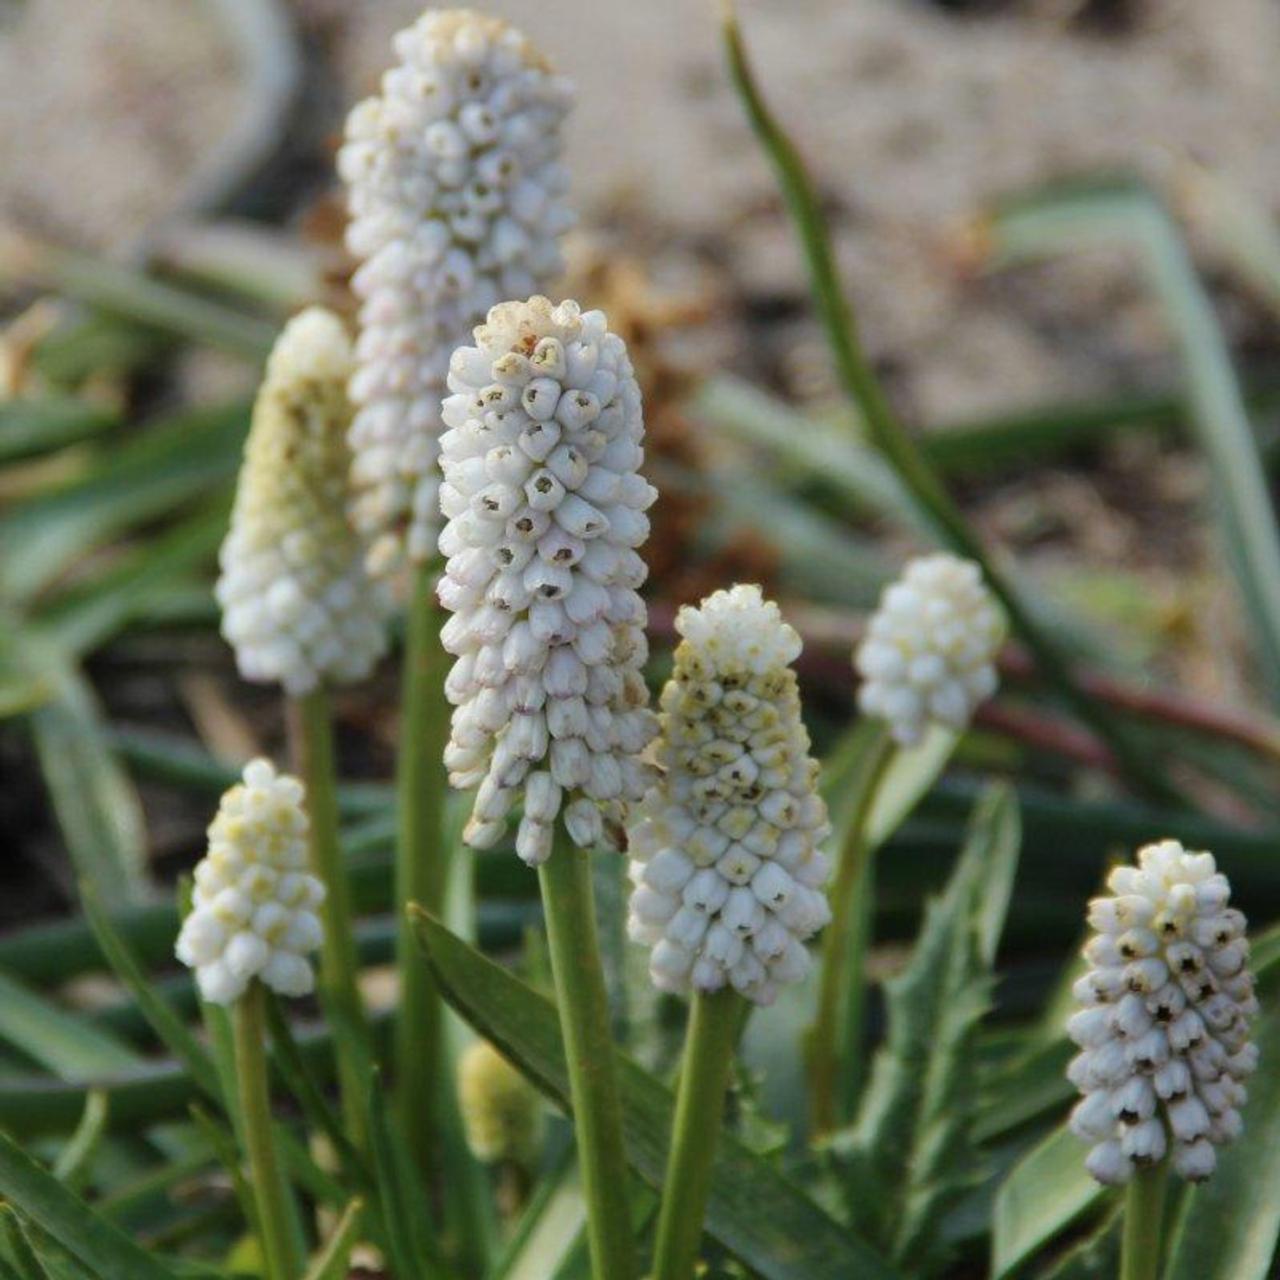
(1143, 1220)
(567, 902)
(422, 867)
(886, 432)
(269, 1188)
(311, 731)
(714, 1021)
(834, 1066)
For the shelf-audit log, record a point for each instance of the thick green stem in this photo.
(885, 431)
(311, 731)
(708, 1052)
(422, 868)
(269, 1189)
(567, 902)
(838, 1022)
(1143, 1220)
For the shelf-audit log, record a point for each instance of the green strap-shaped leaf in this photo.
(1045, 1192)
(1228, 1227)
(104, 1250)
(911, 1152)
(755, 1212)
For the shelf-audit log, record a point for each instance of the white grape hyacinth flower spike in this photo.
(1164, 1032)
(255, 908)
(727, 873)
(457, 200)
(930, 648)
(298, 606)
(545, 506)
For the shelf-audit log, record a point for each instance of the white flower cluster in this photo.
(545, 507)
(1164, 1034)
(930, 648)
(728, 877)
(254, 913)
(501, 1111)
(297, 604)
(457, 201)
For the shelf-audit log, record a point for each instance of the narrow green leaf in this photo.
(17, 1249)
(99, 1245)
(1128, 213)
(153, 473)
(552, 1224)
(1228, 1227)
(791, 1240)
(331, 1264)
(30, 427)
(173, 1032)
(75, 1160)
(1046, 1191)
(63, 1042)
(911, 1153)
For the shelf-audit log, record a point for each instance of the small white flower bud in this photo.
(257, 854)
(297, 605)
(1166, 1044)
(930, 647)
(733, 825)
(457, 199)
(547, 684)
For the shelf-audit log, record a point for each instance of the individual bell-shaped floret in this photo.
(501, 1111)
(1164, 1034)
(255, 907)
(930, 648)
(457, 201)
(728, 877)
(545, 505)
(297, 604)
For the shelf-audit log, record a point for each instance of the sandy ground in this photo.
(911, 117)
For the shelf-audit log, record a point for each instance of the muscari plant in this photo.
(478, 454)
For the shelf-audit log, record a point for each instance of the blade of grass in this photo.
(75, 1160)
(20, 1254)
(124, 291)
(1131, 215)
(331, 1264)
(30, 427)
(886, 432)
(99, 1245)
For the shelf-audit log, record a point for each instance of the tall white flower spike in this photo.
(457, 201)
(726, 867)
(545, 506)
(255, 909)
(297, 605)
(1164, 1031)
(930, 648)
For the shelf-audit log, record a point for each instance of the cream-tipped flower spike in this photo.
(1164, 1032)
(254, 912)
(297, 604)
(545, 506)
(930, 648)
(725, 862)
(457, 201)
(501, 1110)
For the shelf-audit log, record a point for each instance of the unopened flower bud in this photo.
(255, 908)
(501, 1112)
(930, 647)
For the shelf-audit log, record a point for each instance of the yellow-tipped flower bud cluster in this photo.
(501, 1111)
(1164, 1032)
(297, 605)
(254, 912)
(726, 867)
